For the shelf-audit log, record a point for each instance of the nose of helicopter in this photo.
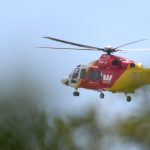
(65, 81)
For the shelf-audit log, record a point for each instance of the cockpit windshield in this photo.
(75, 73)
(82, 73)
(79, 72)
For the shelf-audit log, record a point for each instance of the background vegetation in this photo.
(25, 124)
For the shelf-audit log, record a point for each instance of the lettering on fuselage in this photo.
(102, 61)
(107, 78)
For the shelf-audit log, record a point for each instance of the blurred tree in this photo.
(25, 124)
(137, 129)
(77, 133)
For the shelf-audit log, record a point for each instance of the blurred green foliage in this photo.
(137, 128)
(26, 125)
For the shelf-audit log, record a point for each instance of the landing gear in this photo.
(76, 93)
(129, 98)
(101, 95)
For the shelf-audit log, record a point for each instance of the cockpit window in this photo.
(83, 74)
(75, 73)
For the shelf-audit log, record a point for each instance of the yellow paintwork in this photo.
(79, 83)
(131, 79)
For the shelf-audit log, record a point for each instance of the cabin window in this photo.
(95, 75)
(91, 74)
(115, 62)
(83, 74)
(98, 75)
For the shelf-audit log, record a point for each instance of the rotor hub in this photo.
(109, 49)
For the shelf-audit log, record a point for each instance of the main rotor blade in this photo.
(136, 49)
(75, 44)
(67, 48)
(130, 43)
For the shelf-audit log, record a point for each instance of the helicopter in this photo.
(108, 73)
